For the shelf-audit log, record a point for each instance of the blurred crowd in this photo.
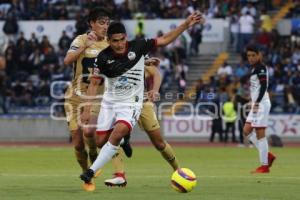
(28, 66)
(124, 9)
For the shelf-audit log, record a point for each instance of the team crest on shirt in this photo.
(131, 55)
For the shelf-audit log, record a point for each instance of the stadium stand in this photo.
(29, 65)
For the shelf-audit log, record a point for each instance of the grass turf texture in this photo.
(222, 173)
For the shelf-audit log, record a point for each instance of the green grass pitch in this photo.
(31, 173)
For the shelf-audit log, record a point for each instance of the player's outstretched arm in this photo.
(169, 37)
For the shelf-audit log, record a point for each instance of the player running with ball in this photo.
(123, 65)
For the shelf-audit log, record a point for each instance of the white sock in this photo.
(105, 155)
(263, 150)
(252, 137)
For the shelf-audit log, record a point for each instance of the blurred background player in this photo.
(148, 122)
(128, 60)
(257, 119)
(81, 54)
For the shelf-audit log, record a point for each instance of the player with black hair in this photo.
(257, 118)
(123, 65)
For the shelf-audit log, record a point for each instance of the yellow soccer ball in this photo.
(183, 180)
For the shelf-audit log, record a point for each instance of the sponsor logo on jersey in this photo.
(110, 61)
(131, 55)
(122, 83)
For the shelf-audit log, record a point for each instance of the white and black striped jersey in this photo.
(259, 81)
(124, 81)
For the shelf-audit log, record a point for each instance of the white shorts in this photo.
(260, 119)
(111, 114)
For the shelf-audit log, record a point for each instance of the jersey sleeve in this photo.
(76, 44)
(96, 70)
(262, 77)
(147, 45)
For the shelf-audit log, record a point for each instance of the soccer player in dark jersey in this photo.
(123, 65)
(257, 118)
(149, 123)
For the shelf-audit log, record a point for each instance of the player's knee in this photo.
(100, 143)
(159, 144)
(246, 131)
(89, 132)
(79, 147)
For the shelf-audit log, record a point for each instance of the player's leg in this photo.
(126, 146)
(164, 148)
(125, 118)
(76, 133)
(248, 130)
(89, 132)
(233, 132)
(260, 124)
(117, 161)
(148, 121)
(107, 151)
(90, 139)
(80, 152)
(119, 178)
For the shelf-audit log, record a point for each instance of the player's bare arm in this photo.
(153, 95)
(167, 38)
(72, 56)
(91, 92)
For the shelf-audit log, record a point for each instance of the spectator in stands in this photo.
(234, 30)
(246, 22)
(33, 42)
(196, 36)
(199, 89)
(266, 21)
(140, 26)
(21, 39)
(11, 61)
(36, 59)
(177, 48)
(45, 45)
(229, 117)
(10, 28)
(165, 70)
(81, 26)
(216, 126)
(64, 42)
(3, 94)
(249, 8)
(43, 97)
(264, 40)
(241, 70)
(23, 53)
(296, 55)
(62, 12)
(225, 70)
(45, 73)
(181, 75)
(18, 94)
(240, 101)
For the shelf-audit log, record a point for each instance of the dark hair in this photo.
(253, 48)
(115, 28)
(98, 12)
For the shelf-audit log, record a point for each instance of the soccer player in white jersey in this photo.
(123, 65)
(257, 119)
